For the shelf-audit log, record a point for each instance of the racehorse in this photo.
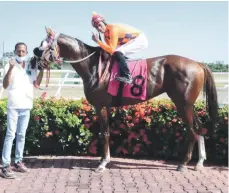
(180, 77)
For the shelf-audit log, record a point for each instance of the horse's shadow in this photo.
(86, 163)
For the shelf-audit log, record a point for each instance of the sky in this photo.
(197, 30)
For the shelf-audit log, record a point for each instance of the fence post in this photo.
(60, 86)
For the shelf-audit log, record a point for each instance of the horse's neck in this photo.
(72, 49)
(88, 69)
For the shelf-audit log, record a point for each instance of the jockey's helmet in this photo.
(96, 19)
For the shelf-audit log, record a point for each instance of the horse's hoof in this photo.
(198, 167)
(100, 169)
(181, 168)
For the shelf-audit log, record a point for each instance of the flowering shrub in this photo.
(151, 129)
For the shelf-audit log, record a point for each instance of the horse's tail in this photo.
(210, 93)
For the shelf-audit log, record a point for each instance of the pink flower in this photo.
(164, 130)
(169, 124)
(142, 132)
(130, 136)
(204, 131)
(116, 132)
(119, 149)
(122, 126)
(195, 137)
(44, 95)
(177, 134)
(136, 149)
(180, 138)
(124, 151)
(174, 120)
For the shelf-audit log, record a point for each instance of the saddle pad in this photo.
(137, 90)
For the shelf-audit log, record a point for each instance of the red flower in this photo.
(221, 139)
(36, 118)
(168, 106)
(125, 107)
(148, 112)
(201, 113)
(76, 113)
(87, 120)
(86, 108)
(84, 101)
(147, 119)
(128, 118)
(93, 149)
(154, 109)
(57, 132)
(49, 134)
(137, 114)
(136, 120)
(180, 138)
(142, 112)
(95, 118)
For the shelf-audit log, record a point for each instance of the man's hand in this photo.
(7, 78)
(95, 37)
(12, 63)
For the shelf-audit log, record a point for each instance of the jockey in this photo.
(121, 40)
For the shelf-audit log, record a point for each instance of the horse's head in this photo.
(47, 52)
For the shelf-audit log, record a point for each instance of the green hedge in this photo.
(151, 129)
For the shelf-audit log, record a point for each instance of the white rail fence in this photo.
(60, 79)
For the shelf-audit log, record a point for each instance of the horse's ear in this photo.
(49, 31)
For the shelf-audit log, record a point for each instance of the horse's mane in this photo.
(81, 43)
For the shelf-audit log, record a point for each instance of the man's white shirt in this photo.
(20, 89)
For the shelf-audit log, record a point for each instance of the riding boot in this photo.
(123, 68)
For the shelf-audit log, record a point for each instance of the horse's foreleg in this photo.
(103, 114)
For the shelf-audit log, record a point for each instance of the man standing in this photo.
(18, 80)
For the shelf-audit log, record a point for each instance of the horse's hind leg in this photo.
(187, 114)
(201, 147)
(202, 153)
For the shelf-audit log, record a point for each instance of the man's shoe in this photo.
(125, 79)
(20, 167)
(6, 172)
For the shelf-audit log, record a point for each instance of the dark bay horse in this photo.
(181, 78)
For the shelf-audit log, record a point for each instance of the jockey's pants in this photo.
(135, 45)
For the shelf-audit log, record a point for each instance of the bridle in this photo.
(53, 49)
